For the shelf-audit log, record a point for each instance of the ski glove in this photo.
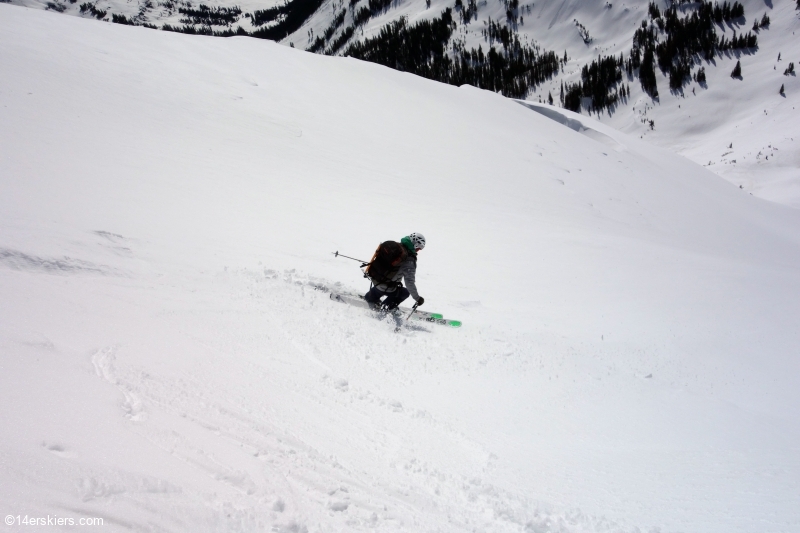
(420, 301)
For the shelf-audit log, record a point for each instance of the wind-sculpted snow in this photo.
(170, 358)
(574, 122)
(23, 261)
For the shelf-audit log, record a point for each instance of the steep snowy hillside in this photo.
(168, 204)
(742, 128)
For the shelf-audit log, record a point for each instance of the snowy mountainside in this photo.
(740, 128)
(168, 202)
(700, 121)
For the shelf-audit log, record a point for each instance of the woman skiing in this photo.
(392, 264)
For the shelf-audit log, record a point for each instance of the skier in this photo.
(391, 264)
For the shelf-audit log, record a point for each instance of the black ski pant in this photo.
(393, 299)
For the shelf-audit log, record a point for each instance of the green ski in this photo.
(424, 316)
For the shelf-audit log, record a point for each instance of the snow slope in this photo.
(741, 129)
(629, 357)
(700, 122)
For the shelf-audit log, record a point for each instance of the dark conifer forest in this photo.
(422, 49)
(682, 42)
(207, 16)
(290, 17)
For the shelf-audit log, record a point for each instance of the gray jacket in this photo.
(406, 271)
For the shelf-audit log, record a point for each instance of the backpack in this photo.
(385, 263)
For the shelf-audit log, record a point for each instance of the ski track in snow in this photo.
(259, 433)
(299, 411)
(381, 483)
(279, 478)
(103, 362)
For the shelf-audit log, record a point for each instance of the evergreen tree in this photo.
(701, 75)
(781, 92)
(121, 19)
(598, 78)
(550, 98)
(737, 70)
(572, 100)
(647, 73)
(678, 72)
(655, 13)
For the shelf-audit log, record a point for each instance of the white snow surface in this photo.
(629, 355)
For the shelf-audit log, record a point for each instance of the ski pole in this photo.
(413, 310)
(337, 254)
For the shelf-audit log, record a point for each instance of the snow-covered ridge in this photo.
(740, 128)
(168, 202)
